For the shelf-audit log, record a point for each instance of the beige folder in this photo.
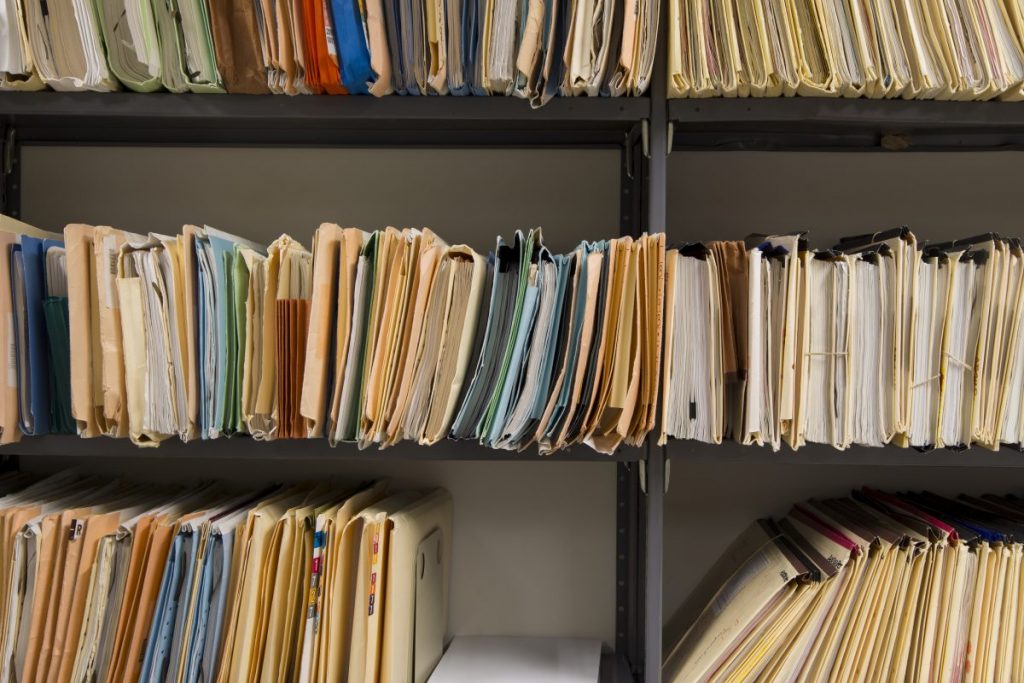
(469, 274)
(240, 660)
(335, 253)
(348, 259)
(396, 314)
(411, 345)
(364, 551)
(652, 307)
(618, 397)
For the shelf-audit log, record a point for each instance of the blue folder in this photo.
(353, 52)
(30, 339)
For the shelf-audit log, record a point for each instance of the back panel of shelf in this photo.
(534, 551)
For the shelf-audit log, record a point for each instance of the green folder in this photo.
(58, 338)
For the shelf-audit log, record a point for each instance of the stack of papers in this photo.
(873, 342)
(910, 49)
(370, 338)
(873, 587)
(114, 581)
(534, 50)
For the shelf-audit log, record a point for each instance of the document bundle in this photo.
(532, 49)
(876, 341)
(112, 581)
(874, 587)
(910, 49)
(368, 338)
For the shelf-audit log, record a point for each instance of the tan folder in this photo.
(616, 400)
(107, 243)
(411, 345)
(457, 344)
(288, 277)
(83, 311)
(236, 41)
(652, 311)
(335, 252)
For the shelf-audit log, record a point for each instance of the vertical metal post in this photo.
(656, 186)
(10, 167)
(629, 513)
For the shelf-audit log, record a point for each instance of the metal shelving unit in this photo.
(825, 124)
(50, 118)
(644, 130)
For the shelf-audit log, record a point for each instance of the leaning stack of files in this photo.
(910, 49)
(873, 587)
(370, 338)
(876, 341)
(534, 50)
(110, 581)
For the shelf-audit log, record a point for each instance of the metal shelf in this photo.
(166, 118)
(244, 448)
(614, 669)
(821, 454)
(809, 123)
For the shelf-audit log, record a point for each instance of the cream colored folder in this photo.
(416, 589)
(285, 589)
(67, 45)
(150, 289)
(995, 301)
(693, 406)
(365, 548)
(1008, 419)
(255, 310)
(19, 72)
(325, 646)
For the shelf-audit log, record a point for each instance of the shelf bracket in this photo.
(666, 472)
(10, 188)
